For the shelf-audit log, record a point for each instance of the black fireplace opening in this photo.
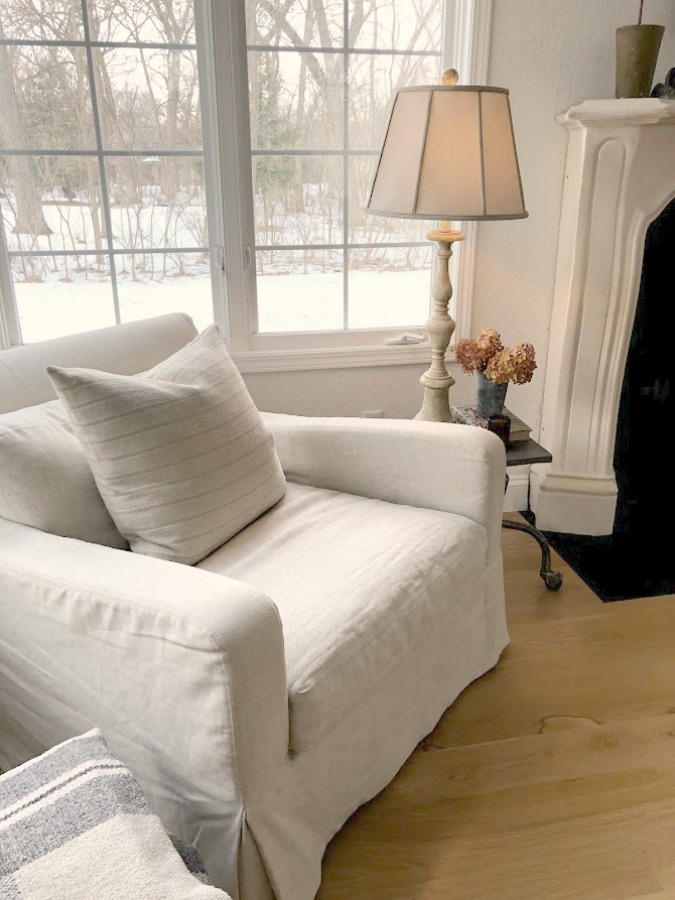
(638, 558)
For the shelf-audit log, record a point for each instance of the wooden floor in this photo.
(553, 776)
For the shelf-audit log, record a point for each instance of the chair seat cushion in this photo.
(359, 583)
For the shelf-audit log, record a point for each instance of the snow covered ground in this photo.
(286, 302)
(59, 295)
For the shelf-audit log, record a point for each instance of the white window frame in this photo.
(10, 328)
(221, 37)
(466, 47)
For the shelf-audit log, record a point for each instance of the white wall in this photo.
(551, 56)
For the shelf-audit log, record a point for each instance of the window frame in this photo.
(466, 28)
(10, 328)
(222, 60)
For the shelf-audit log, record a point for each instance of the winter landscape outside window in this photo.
(321, 76)
(114, 204)
(101, 166)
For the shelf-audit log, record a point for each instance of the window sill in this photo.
(343, 358)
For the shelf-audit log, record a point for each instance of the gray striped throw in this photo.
(74, 825)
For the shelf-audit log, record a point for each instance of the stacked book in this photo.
(466, 415)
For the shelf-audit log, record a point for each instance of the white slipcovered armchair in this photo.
(263, 694)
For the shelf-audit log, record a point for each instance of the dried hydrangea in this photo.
(488, 343)
(487, 354)
(516, 364)
(468, 355)
(472, 355)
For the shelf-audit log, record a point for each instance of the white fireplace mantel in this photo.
(619, 175)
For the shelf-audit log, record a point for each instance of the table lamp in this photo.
(448, 153)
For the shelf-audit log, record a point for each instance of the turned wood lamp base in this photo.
(440, 326)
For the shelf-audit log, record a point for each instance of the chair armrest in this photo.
(452, 468)
(181, 669)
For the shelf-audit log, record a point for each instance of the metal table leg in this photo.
(552, 580)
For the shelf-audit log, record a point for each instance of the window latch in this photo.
(407, 338)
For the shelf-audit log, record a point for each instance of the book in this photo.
(466, 415)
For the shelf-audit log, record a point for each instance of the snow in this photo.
(298, 291)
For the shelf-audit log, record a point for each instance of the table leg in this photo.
(552, 580)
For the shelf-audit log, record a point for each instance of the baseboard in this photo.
(517, 493)
(572, 504)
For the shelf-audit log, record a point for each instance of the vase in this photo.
(637, 49)
(490, 397)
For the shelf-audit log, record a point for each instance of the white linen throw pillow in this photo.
(45, 479)
(180, 453)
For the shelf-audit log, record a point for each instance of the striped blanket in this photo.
(74, 825)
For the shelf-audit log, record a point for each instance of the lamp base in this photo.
(435, 406)
(440, 326)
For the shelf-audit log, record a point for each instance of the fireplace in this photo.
(619, 177)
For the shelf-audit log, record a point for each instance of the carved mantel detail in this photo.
(619, 175)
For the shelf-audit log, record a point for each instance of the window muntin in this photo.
(103, 196)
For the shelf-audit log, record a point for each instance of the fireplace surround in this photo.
(619, 176)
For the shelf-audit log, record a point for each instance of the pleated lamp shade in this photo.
(449, 153)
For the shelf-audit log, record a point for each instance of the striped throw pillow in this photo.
(74, 824)
(180, 453)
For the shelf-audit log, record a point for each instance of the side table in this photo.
(526, 453)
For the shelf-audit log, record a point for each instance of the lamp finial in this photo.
(450, 76)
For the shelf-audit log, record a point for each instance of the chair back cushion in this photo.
(124, 349)
(180, 454)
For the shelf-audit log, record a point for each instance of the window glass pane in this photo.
(365, 228)
(60, 20)
(396, 25)
(300, 290)
(52, 203)
(61, 295)
(298, 199)
(171, 21)
(157, 201)
(295, 100)
(295, 23)
(389, 287)
(148, 99)
(46, 102)
(151, 284)
(373, 81)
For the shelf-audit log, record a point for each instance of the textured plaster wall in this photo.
(551, 56)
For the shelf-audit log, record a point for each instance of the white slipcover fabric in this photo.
(185, 670)
(179, 454)
(124, 349)
(45, 479)
(359, 585)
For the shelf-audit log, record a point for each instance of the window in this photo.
(321, 77)
(214, 157)
(102, 186)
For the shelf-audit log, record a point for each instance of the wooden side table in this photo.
(526, 453)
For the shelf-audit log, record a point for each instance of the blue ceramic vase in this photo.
(490, 397)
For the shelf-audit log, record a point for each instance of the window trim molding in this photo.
(252, 361)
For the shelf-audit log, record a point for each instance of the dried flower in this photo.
(468, 355)
(487, 354)
(488, 343)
